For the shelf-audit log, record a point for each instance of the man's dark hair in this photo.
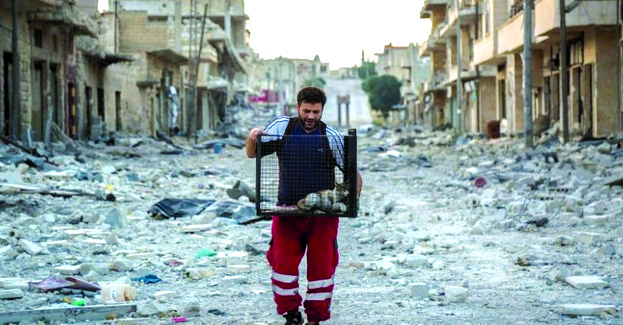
(311, 95)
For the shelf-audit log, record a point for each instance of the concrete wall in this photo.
(54, 50)
(487, 97)
(514, 93)
(588, 13)
(138, 33)
(606, 119)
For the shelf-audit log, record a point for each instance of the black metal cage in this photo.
(307, 175)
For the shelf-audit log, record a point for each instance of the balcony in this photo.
(467, 12)
(425, 13)
(547, 18)
(510, 34)
(467, 74)
(436, 83)
(485, 49)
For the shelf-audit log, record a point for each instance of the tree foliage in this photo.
(366, 70)
(383, 93)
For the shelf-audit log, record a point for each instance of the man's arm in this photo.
(251, 143)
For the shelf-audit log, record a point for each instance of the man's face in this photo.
(310, 115)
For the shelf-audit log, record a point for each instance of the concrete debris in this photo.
(587, 282)
(586, 310)
(456, 294)
(471, 226)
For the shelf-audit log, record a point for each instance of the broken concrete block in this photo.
(596, 219)
(456, 294)
(112, 239)
(11, 294)
(604, 148)
(163, 296)
(14, 283)
(30, 247)
(7, 252)
(590, 238)
(235, 279)
(198, 273)
(414, 260)
(241, 268)
(234, 257)
(437, 265)
(93, 276)
(196, 228)
(586, 309)
(587, 282)
(68, 269)
(418, 290)
(607, 250)
(114, 219)
(191, 309)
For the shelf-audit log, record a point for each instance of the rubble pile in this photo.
(450, 230)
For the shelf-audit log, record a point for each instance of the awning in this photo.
(170, 56)
(106, 59)
(217, 83)
(75, 20)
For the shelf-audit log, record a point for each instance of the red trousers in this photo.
(291, 237)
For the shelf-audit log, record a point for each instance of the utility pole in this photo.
(527, 73)
(190, 96)
(459, 84)
(16, 69)
(563, 72)
(196, 72)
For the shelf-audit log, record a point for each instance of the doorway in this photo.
(118, 111)
(8, 93)
(72, 114)
(38, 110)
(587, 96)
(88, 96)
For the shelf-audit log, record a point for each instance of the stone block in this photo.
(456, 294)
(30, 247)
(586, 309)
(587, 282)
(418, 290)
(596, 219)
(68, 269)
(11, 294)
(241, 268)
(589, 237)
(7, 252)
(235, 279)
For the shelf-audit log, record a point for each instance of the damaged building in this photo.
(492, 67)
(130, 69)
(45, 90)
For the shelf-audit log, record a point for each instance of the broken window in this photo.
(38, 38)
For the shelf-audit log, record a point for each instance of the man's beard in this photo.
(304, 124)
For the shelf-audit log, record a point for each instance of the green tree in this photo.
(383, 93)
(315, 82)
(366, 70)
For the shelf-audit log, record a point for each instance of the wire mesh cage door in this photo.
(307, 175)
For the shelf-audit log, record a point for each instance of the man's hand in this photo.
(251, 142)
(255, 133)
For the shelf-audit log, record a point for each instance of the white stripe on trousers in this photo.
(319, 296)
(284, 277)
(320, 283)
(285, 292)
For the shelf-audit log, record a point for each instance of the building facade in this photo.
(492, 74)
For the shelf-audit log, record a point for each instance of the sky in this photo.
(335, 30)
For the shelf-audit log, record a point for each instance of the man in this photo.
(291, 236)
